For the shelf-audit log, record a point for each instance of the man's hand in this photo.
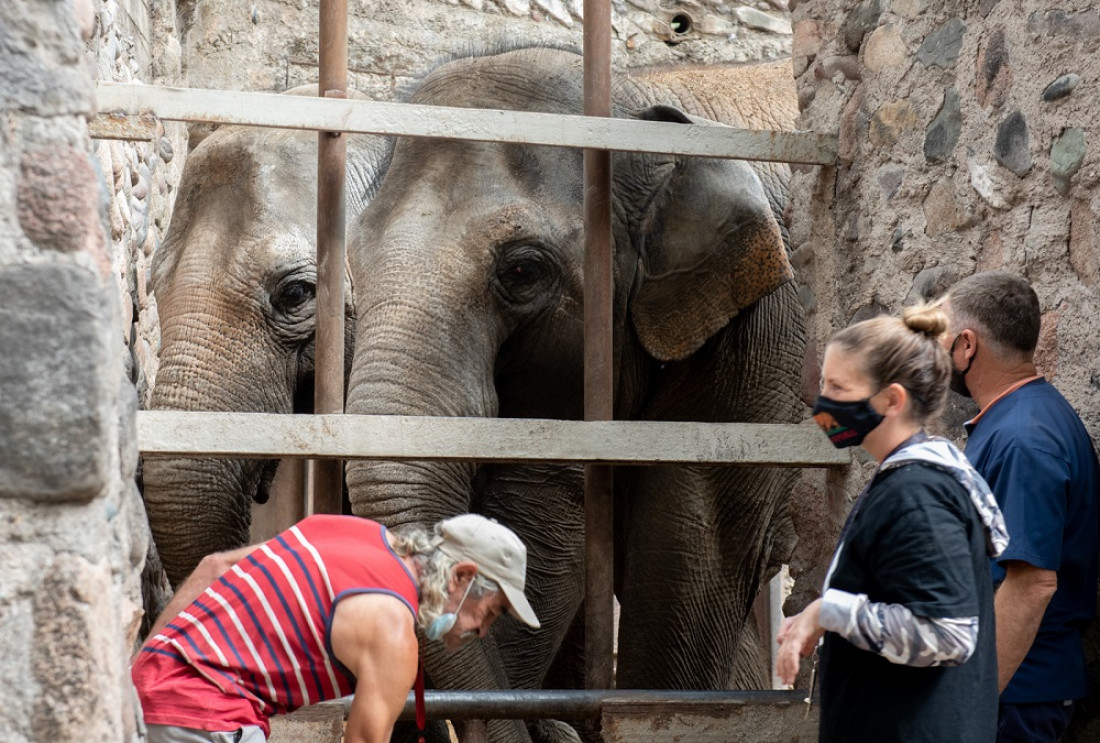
(1019, 605)
(797, 637)
(373, 635)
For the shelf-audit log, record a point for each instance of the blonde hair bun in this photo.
(926, 319)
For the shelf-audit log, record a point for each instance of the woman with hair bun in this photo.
(904, 627)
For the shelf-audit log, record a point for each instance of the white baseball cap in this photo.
(498, 553)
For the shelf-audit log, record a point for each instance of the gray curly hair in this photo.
(435, 570)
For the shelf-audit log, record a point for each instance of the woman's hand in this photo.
(797, 637)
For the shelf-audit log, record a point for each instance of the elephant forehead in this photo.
(530, 79)
(241, 264)
(478, 224)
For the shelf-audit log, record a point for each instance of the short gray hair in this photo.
(1003, 307)
(435, 571)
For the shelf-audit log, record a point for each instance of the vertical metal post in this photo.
(327, 476)
(598, 355)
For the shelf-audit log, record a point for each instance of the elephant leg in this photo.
(691, 567)
(752, 670)
(567, 672)
(156, 592)
(475, 666)
(543, 505)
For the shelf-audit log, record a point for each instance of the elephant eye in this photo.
(292, 295)
(524, 273)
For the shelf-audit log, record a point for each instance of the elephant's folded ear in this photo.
(712, 247)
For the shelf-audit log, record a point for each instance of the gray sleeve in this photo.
(895, 633)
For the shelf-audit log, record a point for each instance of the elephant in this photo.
(468, 268)
(234, 282)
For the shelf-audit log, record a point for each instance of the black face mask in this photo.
(958, 378)
(846, 423)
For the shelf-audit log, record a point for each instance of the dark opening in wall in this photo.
(681, 25)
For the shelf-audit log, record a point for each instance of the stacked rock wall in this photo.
(71, 522)
(964, 145)
(135, 41)
(272, 45)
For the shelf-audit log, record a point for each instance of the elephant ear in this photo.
(708, 242)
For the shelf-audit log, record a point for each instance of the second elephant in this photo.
(235, 281)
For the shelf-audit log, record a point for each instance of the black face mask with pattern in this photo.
(846, 422)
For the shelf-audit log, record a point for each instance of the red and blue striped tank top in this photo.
(256, 643)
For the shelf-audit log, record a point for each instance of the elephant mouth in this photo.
(267, 476)
(302, 404)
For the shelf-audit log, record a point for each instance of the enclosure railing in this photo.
(133, 111)
(623, 716)
(130, 111)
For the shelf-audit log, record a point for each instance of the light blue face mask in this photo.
(442, 624)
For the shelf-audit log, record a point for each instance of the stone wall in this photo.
(135, 41)
(964, 145)
(272, 45)
(71, 522)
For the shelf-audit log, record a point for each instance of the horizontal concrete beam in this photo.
(264, 435)
(787, 720)
(116, 100)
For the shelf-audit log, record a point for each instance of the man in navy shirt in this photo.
(1033, 450)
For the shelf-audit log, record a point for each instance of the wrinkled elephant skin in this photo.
(469, 293)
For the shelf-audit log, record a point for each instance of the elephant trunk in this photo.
(415, 355)
(417, 360)
(197, 507)
(200, 506)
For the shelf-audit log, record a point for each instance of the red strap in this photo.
(421, 713)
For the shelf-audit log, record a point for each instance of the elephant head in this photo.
(235, 282)
(469, 301)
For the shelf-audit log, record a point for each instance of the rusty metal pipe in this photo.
(327, 475)
(598, 358)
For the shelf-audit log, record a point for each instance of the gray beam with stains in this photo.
(117, 101)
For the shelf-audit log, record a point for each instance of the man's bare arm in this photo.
(209, 570)
(1019, 606)
(373, 636)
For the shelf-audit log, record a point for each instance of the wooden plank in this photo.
(140, 127)
(485, 125)
(264, 435)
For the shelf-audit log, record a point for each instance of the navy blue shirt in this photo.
(1033, 450)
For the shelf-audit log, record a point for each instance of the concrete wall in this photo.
(272, 45)
(71, 522)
